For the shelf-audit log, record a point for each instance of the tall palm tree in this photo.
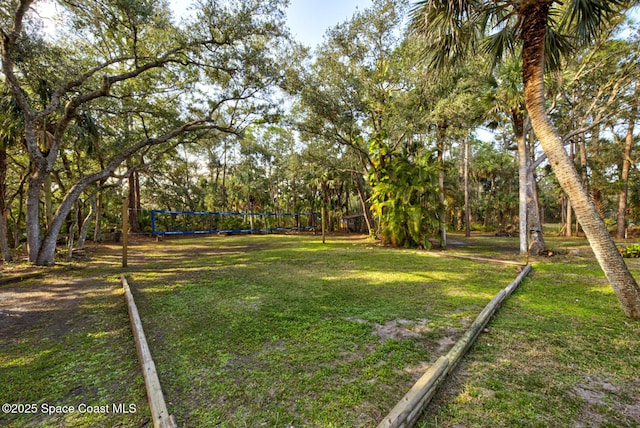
(509, 98)
(546, 29)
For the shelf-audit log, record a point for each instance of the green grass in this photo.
(282, 330)
(80, 354)
(559, 353)
(279, 330)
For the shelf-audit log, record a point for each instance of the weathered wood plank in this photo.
(159, 412)
(416, 395)
(408, 410)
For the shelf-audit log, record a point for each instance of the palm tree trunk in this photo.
(626, 164)
(442, 215)
(534, 24)
(534, 223)
(569, 230)
(523, 174)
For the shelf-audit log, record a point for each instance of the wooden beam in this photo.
(409, 409)
(159, 413)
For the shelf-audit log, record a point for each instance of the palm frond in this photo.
(557, 46)
(449, 29)
(500, 44)
(586, 18)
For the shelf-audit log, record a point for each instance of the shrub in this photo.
(630, 251)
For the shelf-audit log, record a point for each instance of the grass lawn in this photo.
(284, 331)
(559, 353)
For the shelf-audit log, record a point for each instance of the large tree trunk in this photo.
(626, 164)
(32, 216)
(4, 239)
(47, 250)
(534, 20)
(517, 120)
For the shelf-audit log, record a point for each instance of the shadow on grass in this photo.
(66, 341)
(559, 353)
(290, 333)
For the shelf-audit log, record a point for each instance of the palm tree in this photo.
(509, 99)
(546, 29)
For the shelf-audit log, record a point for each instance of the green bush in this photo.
(631, 251)
(405, 195)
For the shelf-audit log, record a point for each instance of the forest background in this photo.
(225, 111)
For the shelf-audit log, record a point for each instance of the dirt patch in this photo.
(447, 341)
(47, 304)
(400, 329)
(600, 394)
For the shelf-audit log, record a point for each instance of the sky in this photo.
(308, 20)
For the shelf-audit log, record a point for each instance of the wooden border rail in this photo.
(407, 412)
(159, 413)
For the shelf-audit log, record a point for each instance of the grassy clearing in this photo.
(282, 330)
(277, 330)
(67, 342)
(559, 353)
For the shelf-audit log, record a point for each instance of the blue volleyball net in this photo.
(165, 222)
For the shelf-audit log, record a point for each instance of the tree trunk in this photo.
(523, 175)
(84, 229)
(46, 253)
(536, 239)
(4, 239)
(97, 233)
(563, 212)
(442, 215)
(323, 185)
(72, 229)
(626, 164)
(134, 201)
(568, 232)
(32, 216)
(534, 20)
(364, 201)
(467, 216)
(18, 218)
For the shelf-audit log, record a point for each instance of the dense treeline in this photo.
(224, 112)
